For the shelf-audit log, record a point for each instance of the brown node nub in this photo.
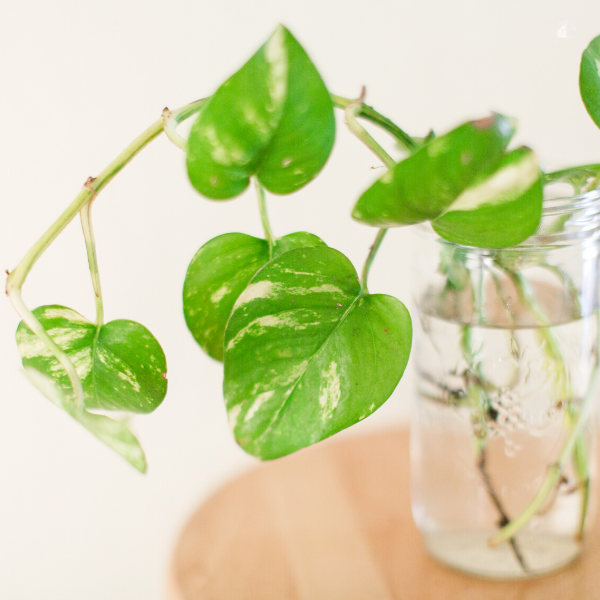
(485, 123)
(503, 521)
(89, 182)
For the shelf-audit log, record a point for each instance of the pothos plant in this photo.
(307, 349)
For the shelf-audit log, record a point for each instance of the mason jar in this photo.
(502, 434)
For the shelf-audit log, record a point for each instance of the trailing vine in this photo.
(307, 349)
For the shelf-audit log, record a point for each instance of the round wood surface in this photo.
(333, 522)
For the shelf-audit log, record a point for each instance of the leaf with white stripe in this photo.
(422, 186)
(307, 355)
(272, 119)
(121, 365)
(500, 210)
(589, 79)
(219, 273)
(114, 434)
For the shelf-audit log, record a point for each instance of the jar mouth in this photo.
(566, 219)
(565, 204)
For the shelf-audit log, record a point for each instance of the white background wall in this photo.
(78, 81)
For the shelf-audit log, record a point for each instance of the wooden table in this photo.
(333, 522)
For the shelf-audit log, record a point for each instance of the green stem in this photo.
(370, 258)
(593, 184)
(478, 398)
(173, 118)
(90, 245)
(188, 110)
(592, 169)
(90, 190)
(351, 111)
(574, 446)
(482, 466)
(480, 405)
(568, 282)
(554, 471)
(551, 342)
(576, 177)
(367, 112)
(37, 328)
(264, 217)
(581, 467)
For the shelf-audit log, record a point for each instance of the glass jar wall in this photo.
(502, 442)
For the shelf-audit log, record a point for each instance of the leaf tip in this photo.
(505, 125)
(357, 213)
(141, 466)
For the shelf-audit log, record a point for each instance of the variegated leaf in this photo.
(121, 365)
(306, 354)
(422, 186)
(589, 79)
(218, 274)
(273, 119)
(299, 239)
(500, 210)
(114, 434)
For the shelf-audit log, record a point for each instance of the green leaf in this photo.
(114, 434)
(219, 273)
(589, 79)
(307, 355)
(273, 119)
(121, 366)
(299, 239)
(500, 210)
(424, 185)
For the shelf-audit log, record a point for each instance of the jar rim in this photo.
(582, 212)
(565, 204)
(565, 220)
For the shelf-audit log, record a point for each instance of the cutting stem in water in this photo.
(500, 508)
(479, 404)
(554, 472)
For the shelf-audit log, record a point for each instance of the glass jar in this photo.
(502, 445)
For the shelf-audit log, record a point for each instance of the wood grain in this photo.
(333, 522)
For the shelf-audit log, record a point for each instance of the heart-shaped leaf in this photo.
(589, 79)
(273, 119)
(307, 355)
(121, 365)
(500, 210)
(219, 273)
(422, 186)
(114, 434)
